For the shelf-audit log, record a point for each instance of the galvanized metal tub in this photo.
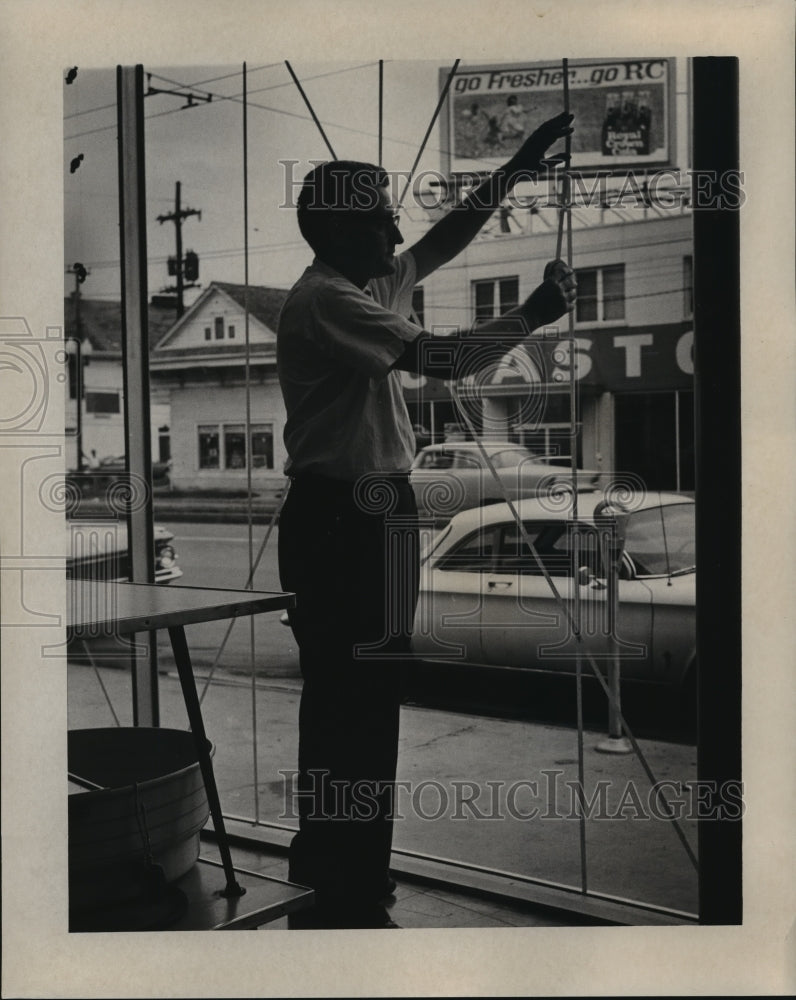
(140, 828)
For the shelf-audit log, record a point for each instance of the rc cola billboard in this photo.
(623, 112)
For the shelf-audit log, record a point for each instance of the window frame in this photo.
(498, 308)
(91, 396)
(600, 297)
(220, 428)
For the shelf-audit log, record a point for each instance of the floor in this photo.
(414, 904)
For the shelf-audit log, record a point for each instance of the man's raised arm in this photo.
(451, 234)
(445, 357)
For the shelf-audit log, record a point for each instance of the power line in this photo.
(212, 254)
(262, 107)
(221, 253)
(271, 86)
(212, 79)
(219, 97)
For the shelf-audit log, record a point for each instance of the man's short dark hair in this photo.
(337, 186)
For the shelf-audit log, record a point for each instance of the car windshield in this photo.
(660, 540)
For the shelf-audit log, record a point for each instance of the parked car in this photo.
(99, 552)
(116, 464)
(484, 599)
(454, 476)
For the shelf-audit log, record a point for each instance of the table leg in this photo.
(182, 658)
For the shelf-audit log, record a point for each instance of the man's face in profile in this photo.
(369, 237)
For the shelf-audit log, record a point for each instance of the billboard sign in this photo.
(623, 112)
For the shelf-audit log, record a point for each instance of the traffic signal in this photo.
(172, 266)
(191, 266)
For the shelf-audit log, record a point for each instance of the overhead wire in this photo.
(442, 98)
(566, 213)
(249, 443)
(311, 110)
(185, 86)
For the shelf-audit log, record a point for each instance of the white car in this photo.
(454, 476)
(486, 600)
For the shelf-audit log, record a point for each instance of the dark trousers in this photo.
(350, 554)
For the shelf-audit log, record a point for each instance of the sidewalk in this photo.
(216, 505)
(489, 793)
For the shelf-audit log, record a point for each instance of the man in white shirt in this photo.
(343, 336)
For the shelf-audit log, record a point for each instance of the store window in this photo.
(495, 297)
(655, 438)
(262, 446)
(601, 294)
(208, 448)
(234, 446)
(234, 453)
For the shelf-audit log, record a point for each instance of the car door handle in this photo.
(500, 583)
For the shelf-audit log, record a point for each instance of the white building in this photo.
(201, 363)
(96, 326)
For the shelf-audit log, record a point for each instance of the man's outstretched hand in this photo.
(529, 156)
(554, 298)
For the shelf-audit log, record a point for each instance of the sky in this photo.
(202, 148)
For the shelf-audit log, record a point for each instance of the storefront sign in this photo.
(623, 112)
(615, 359)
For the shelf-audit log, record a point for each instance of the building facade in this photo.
(629, 353)
(227, 414)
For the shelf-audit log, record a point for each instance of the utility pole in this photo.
(178, 270)
(80, 273)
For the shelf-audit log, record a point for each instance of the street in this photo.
(217, 555)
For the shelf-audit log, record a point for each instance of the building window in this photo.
(231, 331)
(219, 324)
(208, 447)
(418, 306)
(208, 333)
(262, 446)
(601, 294)
(234, 454)
(102, 402)
(688, 286)
(234, 446)
(495, 297)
